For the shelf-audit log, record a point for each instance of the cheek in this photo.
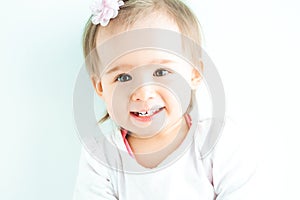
(110, 111)
(107, 91)
(187, 75)
(107, 98)
(172, 101)
(177, 92)
(185, 71)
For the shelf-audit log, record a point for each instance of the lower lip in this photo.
(145, 118)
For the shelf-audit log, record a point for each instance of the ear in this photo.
(196, 75)
(97, 85)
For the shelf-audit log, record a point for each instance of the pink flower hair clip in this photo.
(104, 10)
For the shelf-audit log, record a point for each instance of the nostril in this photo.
(143, 94)
(142, 97)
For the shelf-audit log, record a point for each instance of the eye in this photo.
(123, 77)
(161, 72)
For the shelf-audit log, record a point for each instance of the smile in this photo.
(146, 115)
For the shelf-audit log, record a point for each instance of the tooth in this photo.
(148, 113)
(142, 113)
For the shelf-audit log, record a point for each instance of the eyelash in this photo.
(120, 75)
(165, 70)
(118, 78)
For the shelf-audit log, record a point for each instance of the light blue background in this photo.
(40, 58)
(253, 43)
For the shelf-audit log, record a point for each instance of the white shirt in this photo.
(225, 173)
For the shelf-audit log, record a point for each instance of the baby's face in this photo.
(147, 90)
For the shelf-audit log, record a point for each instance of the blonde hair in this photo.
(131, 12)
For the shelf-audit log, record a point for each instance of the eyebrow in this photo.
(118, 67)
(114, 69)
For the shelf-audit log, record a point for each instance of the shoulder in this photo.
(94, 180)
(233, 158)
(90, 168)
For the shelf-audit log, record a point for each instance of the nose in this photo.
(144, 93)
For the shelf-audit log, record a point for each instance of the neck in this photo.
(170, 137)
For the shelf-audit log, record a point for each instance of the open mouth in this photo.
(146, 114)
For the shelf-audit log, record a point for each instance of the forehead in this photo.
(146, 57)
